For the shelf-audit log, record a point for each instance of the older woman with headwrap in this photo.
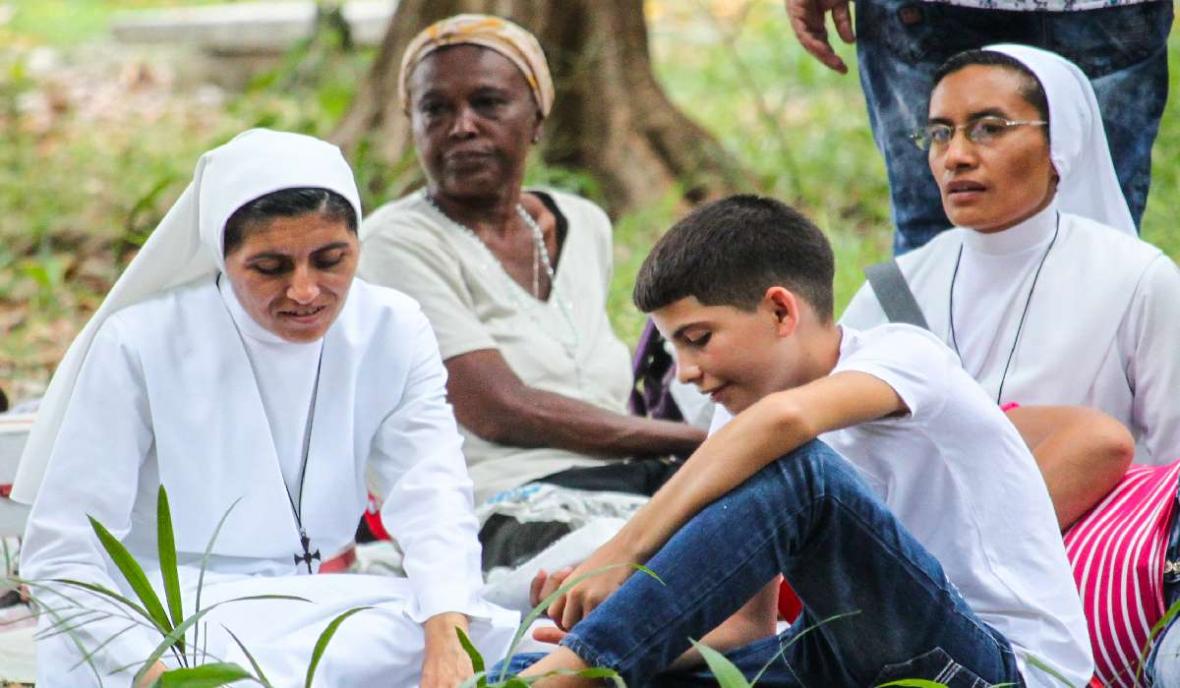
(514, 282)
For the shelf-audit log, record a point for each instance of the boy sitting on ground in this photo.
(926, 548)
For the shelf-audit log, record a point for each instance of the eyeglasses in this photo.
(982, 131)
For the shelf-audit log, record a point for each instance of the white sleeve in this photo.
(1151, 336)
(94, 470)
(910, 361)
(863, 311)
(418, 462)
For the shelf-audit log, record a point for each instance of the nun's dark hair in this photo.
(292, 202)
(1031, 90)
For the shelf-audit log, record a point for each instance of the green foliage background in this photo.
(79, 190)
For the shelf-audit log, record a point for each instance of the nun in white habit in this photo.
(1042, 288)
(259, 375)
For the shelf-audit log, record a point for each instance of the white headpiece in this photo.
(1078, 148)
(187, 245)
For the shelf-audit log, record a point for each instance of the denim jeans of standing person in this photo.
(878, 606)
(900, 44)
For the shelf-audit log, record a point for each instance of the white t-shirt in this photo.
(956, 473)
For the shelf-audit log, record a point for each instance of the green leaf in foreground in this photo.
(913, 683)
(204, 676)
(109, 594)
(170, 639)
(133, 574)
(474, 656)
(204, 566)
(1156, 629)
(321, 643)
(258, 673)
(1036, 663)
(166, 545)
(726, 673)
(795, 638)
(591, 673)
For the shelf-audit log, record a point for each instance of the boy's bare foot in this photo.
(560, 659)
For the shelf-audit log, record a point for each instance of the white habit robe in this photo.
(168, 395)
(1103, 324)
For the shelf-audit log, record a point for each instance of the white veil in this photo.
(1078, 147)
(187, 245)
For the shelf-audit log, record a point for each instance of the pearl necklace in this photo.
(540, 258)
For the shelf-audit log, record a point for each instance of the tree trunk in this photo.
(611, 118)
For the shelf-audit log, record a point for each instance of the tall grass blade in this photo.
(783, 648)
(538, 610)
(726, 673)
(1156, 629)
(133, 574)
(67, 625)
(913, 683)
(261, 676)
(166, 544)
(169, 641)
(473, 654)
(1036, 663)
(205, 565)
(112, 595)
(595, 673)
(89, 655)
(321, 643)
(204, 676)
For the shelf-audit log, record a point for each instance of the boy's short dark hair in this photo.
(729, 252)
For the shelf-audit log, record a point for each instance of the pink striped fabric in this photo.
(1117, 552)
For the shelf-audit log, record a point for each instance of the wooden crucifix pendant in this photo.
(308, 555)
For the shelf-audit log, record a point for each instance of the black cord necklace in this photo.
(296, 506)
(1023, 314)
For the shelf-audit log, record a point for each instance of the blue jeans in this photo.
(808, 516)
(900, 44)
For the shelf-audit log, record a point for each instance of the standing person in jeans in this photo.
(926, 548)
(1121, 47)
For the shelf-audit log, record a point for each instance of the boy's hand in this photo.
(544, 583)
(580, 600)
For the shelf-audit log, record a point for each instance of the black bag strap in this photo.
(894, 294)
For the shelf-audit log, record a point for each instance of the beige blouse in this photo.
(564, 345)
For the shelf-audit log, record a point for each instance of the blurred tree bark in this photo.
(611, 118)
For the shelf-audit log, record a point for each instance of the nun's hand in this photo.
(445, 664)
(808, 21)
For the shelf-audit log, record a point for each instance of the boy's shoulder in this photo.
(920, 368)
(895, 341)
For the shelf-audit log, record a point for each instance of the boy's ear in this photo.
(785, 307)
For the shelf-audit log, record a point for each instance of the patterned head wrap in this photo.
(501, 35)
